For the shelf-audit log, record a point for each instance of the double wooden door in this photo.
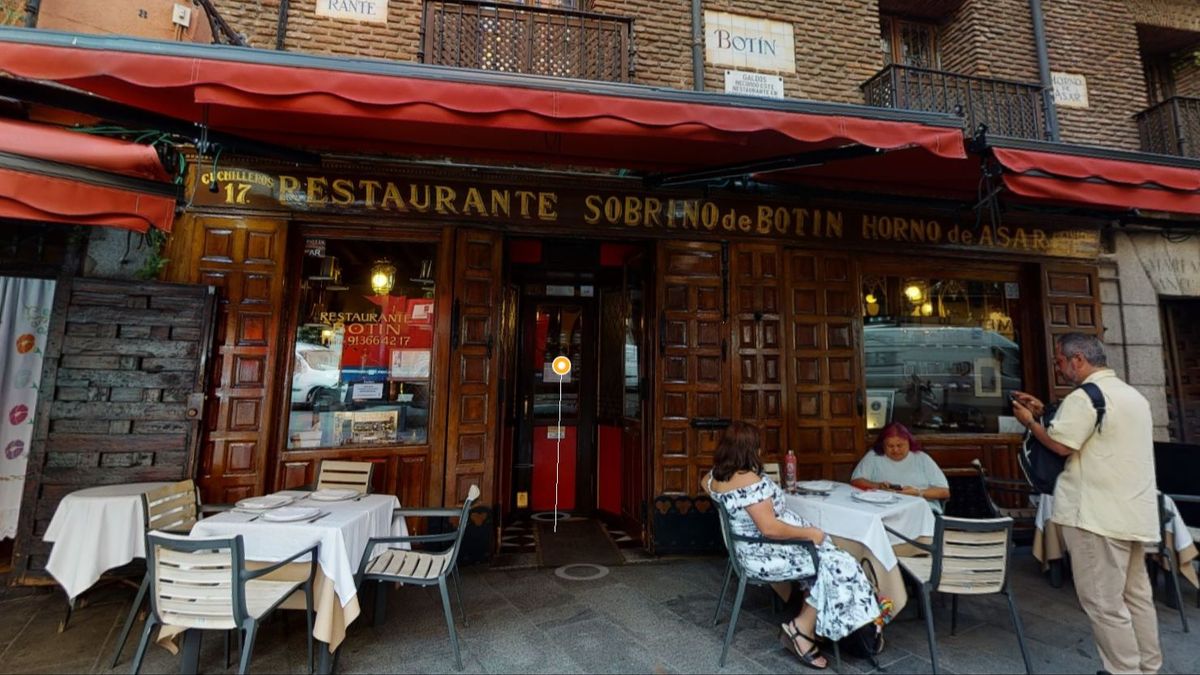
(759, 333)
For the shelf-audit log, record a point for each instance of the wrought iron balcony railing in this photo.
(1008, 108)
(1171, 127)
(527, 39)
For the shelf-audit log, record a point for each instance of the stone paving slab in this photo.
(648, 618)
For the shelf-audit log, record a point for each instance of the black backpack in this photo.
(1042, 465)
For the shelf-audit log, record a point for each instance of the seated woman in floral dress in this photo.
(840, 598)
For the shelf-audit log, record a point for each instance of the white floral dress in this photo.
(841, 593)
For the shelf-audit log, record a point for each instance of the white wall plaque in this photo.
(374, 11)
(748, 42)
(1070, 90)
(753, 84)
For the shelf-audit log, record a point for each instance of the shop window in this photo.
(908, 43)
(363, 349)
(941, 355)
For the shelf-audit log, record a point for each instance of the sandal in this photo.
(788, 636)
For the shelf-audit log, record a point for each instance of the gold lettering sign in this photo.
(655, 214)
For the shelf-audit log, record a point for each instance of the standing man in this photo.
(1106, 501)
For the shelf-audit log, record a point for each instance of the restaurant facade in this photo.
(380, 262)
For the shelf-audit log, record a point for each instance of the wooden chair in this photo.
(967, 557)
(172, 508)
(744, 577)
(203, 584)
(419, 568)
(342, 474)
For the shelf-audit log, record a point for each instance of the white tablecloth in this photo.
(94, 530)
(341, 535)
(841, 515)
(1183, 536)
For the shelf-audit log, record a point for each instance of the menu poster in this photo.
(410, 364)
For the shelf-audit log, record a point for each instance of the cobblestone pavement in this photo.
(651, 617)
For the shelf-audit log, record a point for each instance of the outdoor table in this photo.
(340, 536)
(858, 528)
(94, 530)
(1048, 545)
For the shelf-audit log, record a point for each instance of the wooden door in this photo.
(244, 259)
(758, 344)
(691, 382)
(474, 380)
(1181, 345)
(825, 386)
(1072, 305)
(121, 394)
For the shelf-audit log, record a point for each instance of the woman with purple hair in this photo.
(896, 463)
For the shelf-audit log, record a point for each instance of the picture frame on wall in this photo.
(879, 408)
(987, 377)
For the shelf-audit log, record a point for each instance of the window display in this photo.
(941, 355)
(363, 345)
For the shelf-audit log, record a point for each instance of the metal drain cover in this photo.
(581, 572)
(548, 516)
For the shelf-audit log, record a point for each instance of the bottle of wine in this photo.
(790, 470)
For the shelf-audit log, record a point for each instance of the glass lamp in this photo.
(383, 277)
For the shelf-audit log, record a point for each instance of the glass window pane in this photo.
(941, 355)
(559, 332)
(364, 345)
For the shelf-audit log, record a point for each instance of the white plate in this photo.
(290, 514)
(265, 502)
(874, 497)
(816, 485)
(334, 494)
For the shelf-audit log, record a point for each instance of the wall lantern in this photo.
(383, 277)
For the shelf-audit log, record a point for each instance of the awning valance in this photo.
(380, 107)
(53, 174)
(1063, 177)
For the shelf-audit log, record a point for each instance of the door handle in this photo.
(455, 320)
(859, 402)
(490, 343)
(662, 334)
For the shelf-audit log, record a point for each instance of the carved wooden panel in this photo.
(244, 257)
(1071, 305)
(693, 369)
(122, 391)
(757, 292)
(824, 362)
(474, 380)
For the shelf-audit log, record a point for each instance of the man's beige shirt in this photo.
(1108, 485)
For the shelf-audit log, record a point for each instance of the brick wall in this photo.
(662, 38)
(991, 38)
(1186, 69)
(1097, 38)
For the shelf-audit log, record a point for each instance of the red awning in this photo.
(379, 107)
(1093, 181)
(52, 174)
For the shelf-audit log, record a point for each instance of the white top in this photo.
(917, 469)
(841, 515)
(342, 535)
(1107, 486)
(94, 530)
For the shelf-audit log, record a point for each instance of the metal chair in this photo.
(172, 508)
(744, 578)
(1192, 529)
(203, 584)
(419, 568)
(967, 557)
(341, 474)
(1166, 553)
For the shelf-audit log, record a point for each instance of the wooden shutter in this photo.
(825, 378)
(691, 378)
(758, 344)
(474, 379)
(1072, 305)
(121, 394)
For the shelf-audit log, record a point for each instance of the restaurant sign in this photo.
(658, 213)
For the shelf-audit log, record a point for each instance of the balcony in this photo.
(1008, 108)
(1171, 127)
(527, 39)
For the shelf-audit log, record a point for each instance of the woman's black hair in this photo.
(737, 451)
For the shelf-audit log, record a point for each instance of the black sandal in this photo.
(788, 635)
